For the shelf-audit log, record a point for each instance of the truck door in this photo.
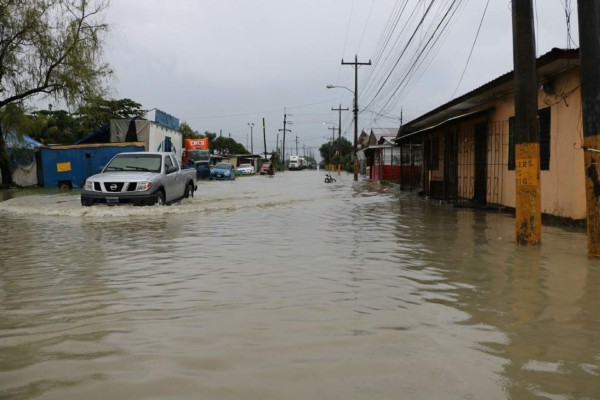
(170, 179)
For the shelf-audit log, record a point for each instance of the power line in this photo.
(472, 47)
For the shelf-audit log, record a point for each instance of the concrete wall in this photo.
(563, 185)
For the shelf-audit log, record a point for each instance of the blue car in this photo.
(222, 170)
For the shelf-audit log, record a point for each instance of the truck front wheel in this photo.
(189, 190)
(160, 198)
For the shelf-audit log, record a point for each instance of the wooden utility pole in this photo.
(331, 152)
(526, 127)
(340, 109)
(589, 50)
(355, 109)
(285, 122)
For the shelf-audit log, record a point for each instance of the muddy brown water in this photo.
(290, 288)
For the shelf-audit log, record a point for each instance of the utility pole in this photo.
(331, 165)
(589, 48)
(526, 128)
(265, 138)
(296, 144)
(340, 109)
(355, 110)
(285, 122)
(251, 125)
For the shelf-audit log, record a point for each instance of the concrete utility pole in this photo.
(265, 138)
(589, 48)
(251, 125)
(285, 122)
(355, 110)
(526, 128)
(339, 137)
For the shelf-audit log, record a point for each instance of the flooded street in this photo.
(290, 288)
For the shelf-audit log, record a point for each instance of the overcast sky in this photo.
(222, 64)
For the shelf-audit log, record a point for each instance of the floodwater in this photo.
(290, 288)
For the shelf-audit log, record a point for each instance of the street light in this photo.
(355, 110)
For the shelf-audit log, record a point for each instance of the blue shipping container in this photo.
(70, 166)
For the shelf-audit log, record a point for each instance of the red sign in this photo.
(196, 144)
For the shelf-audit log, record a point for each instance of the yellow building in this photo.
(468, 150)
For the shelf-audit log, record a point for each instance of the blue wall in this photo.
(74, 164)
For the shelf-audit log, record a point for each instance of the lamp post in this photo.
(355, 111)
(251, 125)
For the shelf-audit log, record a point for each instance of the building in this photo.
(382, 155)
(467, 148)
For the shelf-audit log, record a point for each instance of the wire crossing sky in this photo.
(221, 65)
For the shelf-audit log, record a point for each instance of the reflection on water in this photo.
(291, 288)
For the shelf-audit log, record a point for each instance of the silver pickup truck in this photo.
(140, 178)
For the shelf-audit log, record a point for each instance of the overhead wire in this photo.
(365, 26)
(382, 86)
(472, 48)
(422, 56)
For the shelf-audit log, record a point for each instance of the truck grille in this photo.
(113, 186)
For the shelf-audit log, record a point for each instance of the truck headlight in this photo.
(143, 186)
(88, 185)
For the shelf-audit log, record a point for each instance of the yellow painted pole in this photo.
(528, 197)
(592, 193)
(589, 31)
(528, 217)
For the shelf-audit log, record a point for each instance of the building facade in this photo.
(467, 145)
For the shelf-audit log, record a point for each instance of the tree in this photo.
(49, 48)
(228, 145)
(211, 138)
(188, 133)
(52, 127)
(338, 151)
(96, 112)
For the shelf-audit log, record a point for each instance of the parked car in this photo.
(222, 170)
(245, 169)
(265, 168)
(140, 178)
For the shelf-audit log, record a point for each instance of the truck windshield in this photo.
(132, 162)
(197, 155)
